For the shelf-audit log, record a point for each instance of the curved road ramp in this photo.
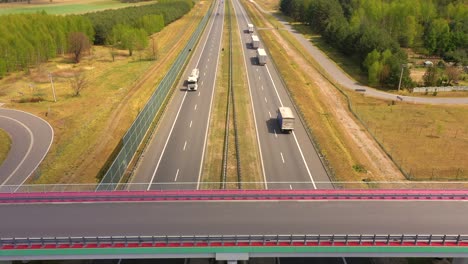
(31, 138)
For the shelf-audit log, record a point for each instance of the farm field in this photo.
(88, 127)
(429, 142)
(61, 7)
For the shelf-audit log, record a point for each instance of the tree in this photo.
(78, 82)
(453, 73)
(126, 37)
(78, 44)
(431, 76)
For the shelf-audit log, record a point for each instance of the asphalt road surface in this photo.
(234, 217)
(289, 161)
(31, 139)
(173, 159)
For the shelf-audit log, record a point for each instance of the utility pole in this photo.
(401, 76)
(53, 87)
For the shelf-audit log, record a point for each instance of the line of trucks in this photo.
(255, 44)
(285, 115)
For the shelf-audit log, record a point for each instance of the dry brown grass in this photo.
(5, 144)
(88, 128)
(269, 5)
(430, 142)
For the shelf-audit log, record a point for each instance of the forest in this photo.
(30, 39)
(375, 31)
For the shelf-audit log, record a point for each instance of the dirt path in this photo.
(383, 169)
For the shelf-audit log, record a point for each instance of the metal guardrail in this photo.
(295, 240)
(237, 195)
(349, 185)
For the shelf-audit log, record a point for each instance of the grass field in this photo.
(429, 142)
(88, 127)
(62, 8)
(5, 144)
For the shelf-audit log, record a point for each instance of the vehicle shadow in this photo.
(254, 60)
(272, 125)
(184, 86)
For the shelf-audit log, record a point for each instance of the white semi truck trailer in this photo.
(192, 81)
(255, 42)
(261, 56)
(285, 119)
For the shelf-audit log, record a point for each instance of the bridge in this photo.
(234, 225)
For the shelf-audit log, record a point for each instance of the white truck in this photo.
(261, 56)
(192, 81)
(285, 119)
(255, 42)
(250, 28)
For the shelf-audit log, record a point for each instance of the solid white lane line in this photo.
(177, 115)
(177, 174)
(185, 145)
(253, 108)
(274, 86)
(209, 112)
(165, 144)
(303, 159)
(195, 107)
(31, 135)
(190, 123)
(282, 158)
(276, 135)
(294, 135)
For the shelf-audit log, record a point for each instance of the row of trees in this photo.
(29, 39)
(374, 30)
(152, 18)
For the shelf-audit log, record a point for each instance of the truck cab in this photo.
(192, 81)
(250, 28)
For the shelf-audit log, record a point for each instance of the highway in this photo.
(285, 157)
(175, 154)
(234, 217)
(31, 140)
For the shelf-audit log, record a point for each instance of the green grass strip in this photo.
(253, 249)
